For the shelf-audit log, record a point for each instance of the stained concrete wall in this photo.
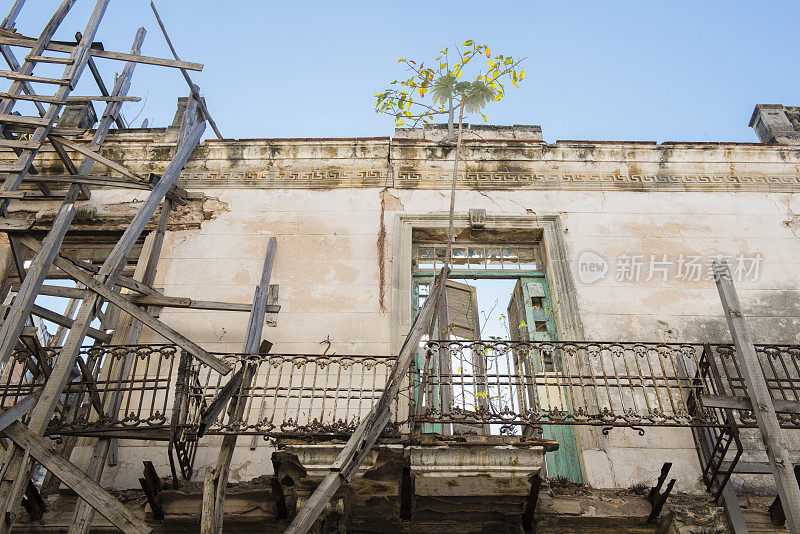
(322, 200)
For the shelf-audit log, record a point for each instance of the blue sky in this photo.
(596, 70)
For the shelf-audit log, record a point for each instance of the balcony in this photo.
(491, 393)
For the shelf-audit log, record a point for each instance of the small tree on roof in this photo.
(440, 90)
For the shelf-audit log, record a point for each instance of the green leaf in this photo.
(468, 42)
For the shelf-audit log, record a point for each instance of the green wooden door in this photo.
(532, 317)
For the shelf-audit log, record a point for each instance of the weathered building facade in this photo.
(607, 245)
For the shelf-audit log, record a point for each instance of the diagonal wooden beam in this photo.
(128, 307)
(369, 430)
(56, 140)
(89, 490)
(18, 410)
(14, 39)
(192, 86)
(66, 322)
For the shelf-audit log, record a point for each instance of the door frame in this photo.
(556, 267)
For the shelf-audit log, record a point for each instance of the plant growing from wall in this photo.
(464, 87)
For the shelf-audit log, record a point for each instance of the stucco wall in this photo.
(328, 262)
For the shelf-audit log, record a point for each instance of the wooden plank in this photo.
(210, 414)
(58, 291)
(185, 302)
(71, 98)
(50, 59)
(16, 225)
(18, 410)
(19, 143)
(91, 179)
(214, 492)
(11, 75)
(733, 510)
(103, 98)
(89, 490)
(29, 130)
(743, 403)
(151, 485)
(95, 156)
(13, 195)
(8, 22)
(13, 169)
(162, 301)
(66, 322)
(131, 309)
(25, 42)
(763, 407)
(370, 428)
(192, 86)
(91, 387)
(20, 119)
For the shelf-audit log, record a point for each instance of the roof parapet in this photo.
(776, 123)
(438, 132)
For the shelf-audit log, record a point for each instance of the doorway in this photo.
(495, 293)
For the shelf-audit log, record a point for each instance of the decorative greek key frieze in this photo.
(332, 178)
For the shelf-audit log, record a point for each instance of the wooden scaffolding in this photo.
(104, 290)
(25, 135)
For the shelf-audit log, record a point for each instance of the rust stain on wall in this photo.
(382, 256)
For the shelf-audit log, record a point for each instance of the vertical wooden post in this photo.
(217, 478)
(760, 397)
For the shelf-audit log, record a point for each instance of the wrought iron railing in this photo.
(126, 391)
(516, 383)
(781, 367)
(24, 373)
(293, 394)
(511, 383)
(488, 382)
(155, 392)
